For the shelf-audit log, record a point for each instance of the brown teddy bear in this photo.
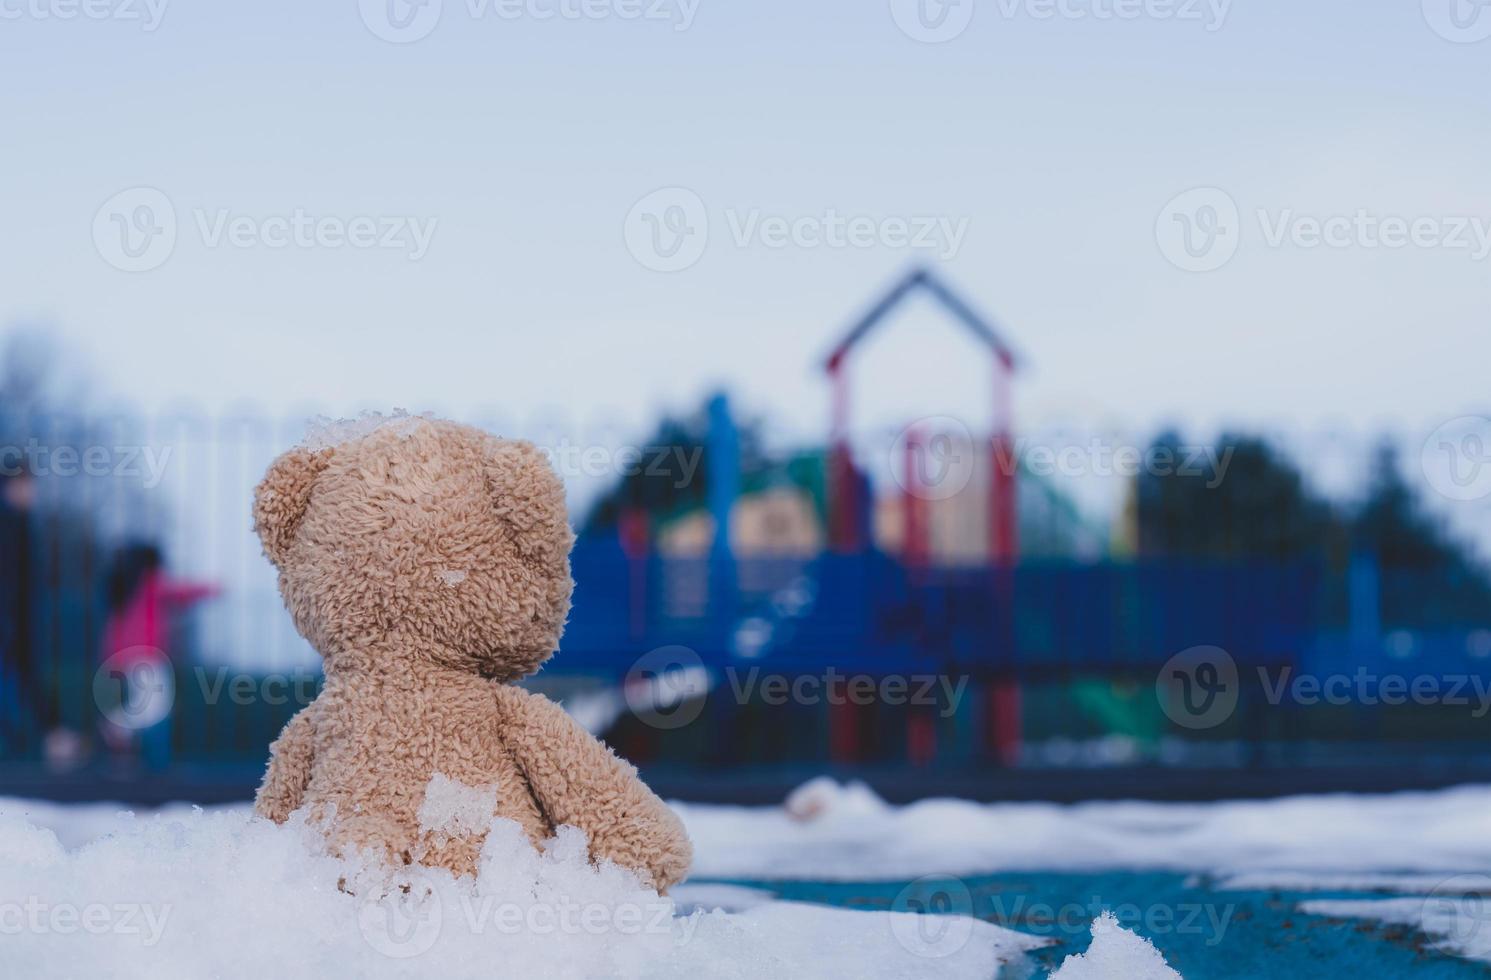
(428, 563)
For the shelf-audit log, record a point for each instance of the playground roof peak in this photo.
(923, 278)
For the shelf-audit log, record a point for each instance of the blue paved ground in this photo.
(1260, 934)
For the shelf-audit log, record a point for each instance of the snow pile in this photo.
(75, 824)
(190, 893)
(324, 432)
(848, 837)
(823, 797)
(1115, 954)
(226, 894)
(1455, 913)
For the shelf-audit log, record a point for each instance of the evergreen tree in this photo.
(1248, 501)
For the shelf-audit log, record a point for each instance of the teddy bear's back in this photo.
(418, 771)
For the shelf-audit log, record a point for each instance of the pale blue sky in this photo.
(1055, 142)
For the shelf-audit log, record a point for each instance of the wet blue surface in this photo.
(1203, 933)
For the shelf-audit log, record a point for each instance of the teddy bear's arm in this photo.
(289, 772)
(577, 780)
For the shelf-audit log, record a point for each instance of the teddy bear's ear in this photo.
(529, 496)
(281, 498)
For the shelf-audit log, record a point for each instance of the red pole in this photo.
(843, 534)
(915, 545)
(1004, 693)
(921, 729)
(1004, 542)
(636, 542)
(843, 487)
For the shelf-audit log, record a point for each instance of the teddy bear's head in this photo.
(422, 536)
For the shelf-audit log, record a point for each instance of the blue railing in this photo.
(1034, 623)
(869, 613)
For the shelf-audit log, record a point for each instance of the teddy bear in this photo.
(428, 564)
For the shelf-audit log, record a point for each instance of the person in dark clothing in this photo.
(24, 707)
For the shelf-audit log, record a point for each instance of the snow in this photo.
(1342, 842)
(76, 824)
(1115, 953)
(1454, 912)
(1457, 927)
(451, 807)
(817, 797)
(87, 889)
(191, 893)
(324, 432)
(716, 895)
(848, 836)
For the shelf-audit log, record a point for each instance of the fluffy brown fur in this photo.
(428, 562)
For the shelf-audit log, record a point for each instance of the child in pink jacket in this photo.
(143, 604)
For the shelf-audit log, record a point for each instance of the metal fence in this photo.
(238, 670)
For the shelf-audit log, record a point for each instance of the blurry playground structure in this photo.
(938, 569)
(922, 579)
